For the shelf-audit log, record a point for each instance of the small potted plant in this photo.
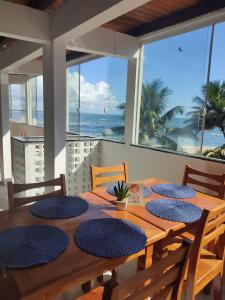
(121, 193)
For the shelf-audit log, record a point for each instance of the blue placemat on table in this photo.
(27, 246)
(110, 238)
(174, 190)
(110, 190)
(59, 207)
(174, 210)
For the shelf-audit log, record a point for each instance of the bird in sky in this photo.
(180, 49)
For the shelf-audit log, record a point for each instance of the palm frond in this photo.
(171, 114)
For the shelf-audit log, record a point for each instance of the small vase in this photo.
(122, 205)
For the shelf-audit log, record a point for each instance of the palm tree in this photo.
(154, 116)
(213, 111)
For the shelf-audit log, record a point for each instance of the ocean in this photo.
(100, 125)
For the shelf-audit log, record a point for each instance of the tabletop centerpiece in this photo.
(121, 193)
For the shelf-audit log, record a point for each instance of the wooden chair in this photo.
(14, 188)
(216, 184)
(99, 176)
(166, 279)
(163, 280)
(207, 266)
(115, 173)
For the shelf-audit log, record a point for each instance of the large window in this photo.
(183, 103)
(214, 134)
(17, 103)
(96, 92)
(26, 101)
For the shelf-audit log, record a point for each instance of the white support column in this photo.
(133, 73)
(54, 80)
(5, 139)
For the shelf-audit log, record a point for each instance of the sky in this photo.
(179, 61)
(103, 85)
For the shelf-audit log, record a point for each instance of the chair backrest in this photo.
(210, 234)
(101, 175)
(14, 188)
(165, 278)
(216, 183)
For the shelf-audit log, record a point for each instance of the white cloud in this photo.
(95, 98)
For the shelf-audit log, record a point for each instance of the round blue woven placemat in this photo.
(27, 246)
(110, 190)
(59, 207)
(110, 238)
(174, 210)
(174, 190)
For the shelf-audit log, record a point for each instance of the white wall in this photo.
(144, 163)
(21, 129)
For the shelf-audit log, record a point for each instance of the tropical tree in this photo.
(154, 116)
(213, 111)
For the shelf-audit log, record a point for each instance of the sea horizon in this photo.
(101, 125)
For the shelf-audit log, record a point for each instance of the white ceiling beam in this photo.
(31, 68)
(24, 23)
(18, 54)
(103, 41)
(77, 17)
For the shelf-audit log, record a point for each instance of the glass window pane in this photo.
(174, 72)
(18, 102)
(93, 97)
(116, 102)
(37, 100)
(102, 97)
(214, 135)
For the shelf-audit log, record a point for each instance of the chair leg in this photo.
(218, 287)
(100, 278)
(87, 286)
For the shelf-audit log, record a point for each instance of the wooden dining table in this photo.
(75, 266)
(201, 200)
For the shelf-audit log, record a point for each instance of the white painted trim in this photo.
(82, 59)
(24, 23)
(196, 23)
(103, 41)
(5, 139)
(133, 97)
(138, 91)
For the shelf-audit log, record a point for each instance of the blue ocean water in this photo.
(99, 125)
(212, 138)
